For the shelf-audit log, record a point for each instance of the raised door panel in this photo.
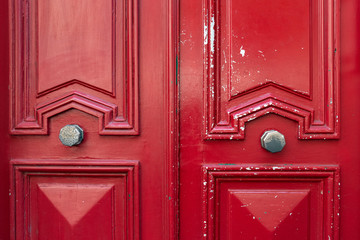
(78, 62)
(270, 202)
(85, 199)
(74, 54)
(259, 66)
(271, 58)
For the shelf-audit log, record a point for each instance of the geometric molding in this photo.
(107, 113)
(270, 201)
(89, 60)
(250, 72)
(71, 199)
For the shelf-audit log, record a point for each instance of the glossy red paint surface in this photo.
(298, 175)
(78, 62)
(84, 199)
(248, 70)
(251, 66)
(61, 60)
(253, 201)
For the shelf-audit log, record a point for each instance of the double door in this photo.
(211, 119)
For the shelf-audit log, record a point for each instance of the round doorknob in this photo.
(273, 141)
(71, 135)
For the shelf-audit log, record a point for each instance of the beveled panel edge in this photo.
(291, 108)
(212, 174)
(22, 169)
(25, 116)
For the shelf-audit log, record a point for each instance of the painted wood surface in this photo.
(78, 62)
(247, 67)
(113, 68)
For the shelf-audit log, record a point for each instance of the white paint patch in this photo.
(256, 109)
(275, 168)
(242, 51)
(212, 34)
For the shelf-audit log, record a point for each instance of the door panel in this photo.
(247, 67)
(271, 59)
(78, 62)
(257, 202)
(88, 199)
(64, 59)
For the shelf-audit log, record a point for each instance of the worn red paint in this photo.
(270, 202)
(252, 66)
(221, 121)
(258, 63)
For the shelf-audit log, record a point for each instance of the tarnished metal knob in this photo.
(71, 135)
(273, 141)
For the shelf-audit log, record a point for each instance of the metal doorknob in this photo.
(71, 135)
(273, 141)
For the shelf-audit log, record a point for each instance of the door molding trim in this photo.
(171, 102)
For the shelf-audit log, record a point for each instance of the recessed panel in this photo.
(75, 42)
(266, 43)
(263, 202)
(75, 199)
(74, 54)
(279, 58)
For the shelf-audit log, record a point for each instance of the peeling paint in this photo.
(242, 51)
(212, 34)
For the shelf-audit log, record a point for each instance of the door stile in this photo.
(171, 100)
(4, 136)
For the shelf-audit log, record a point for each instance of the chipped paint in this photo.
(212, 34)
(205, 34)
(242, 51)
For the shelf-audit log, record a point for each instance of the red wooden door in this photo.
(108, 67)
(251, 66)
(246, 67)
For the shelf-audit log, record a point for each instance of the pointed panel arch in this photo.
(61, 51)
(252, 69)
